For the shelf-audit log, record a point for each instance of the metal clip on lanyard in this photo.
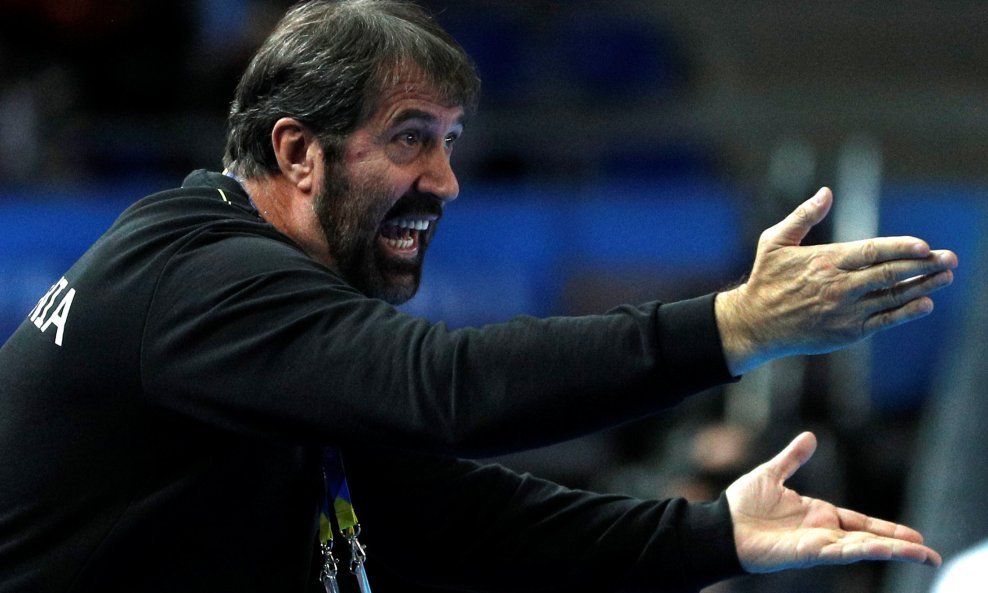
(338, 492)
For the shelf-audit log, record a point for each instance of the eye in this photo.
(409, 138)
(449, 140)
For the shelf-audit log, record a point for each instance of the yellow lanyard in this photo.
(338, 496)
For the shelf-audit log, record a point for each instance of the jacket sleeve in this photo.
(249, 334)
(473, 527)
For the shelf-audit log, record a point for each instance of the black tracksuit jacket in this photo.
(163, 409)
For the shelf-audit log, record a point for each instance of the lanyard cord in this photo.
(239, 180)
(338, 497)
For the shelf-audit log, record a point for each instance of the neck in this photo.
(291, 212)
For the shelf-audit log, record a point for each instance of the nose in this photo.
(437, 177)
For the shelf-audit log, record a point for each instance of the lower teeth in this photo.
(399, 243)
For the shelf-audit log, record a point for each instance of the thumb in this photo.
(794, 228)
(790, 459)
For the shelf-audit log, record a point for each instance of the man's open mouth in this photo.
(402, 236)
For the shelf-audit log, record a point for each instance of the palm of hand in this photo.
(775, 528)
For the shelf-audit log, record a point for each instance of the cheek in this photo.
(383, 188)
(369, 204)
(358, 158)
(369, 175)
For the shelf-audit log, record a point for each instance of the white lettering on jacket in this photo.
(43, 316)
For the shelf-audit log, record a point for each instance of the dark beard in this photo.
(350, 218)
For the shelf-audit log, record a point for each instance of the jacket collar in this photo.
(230, 189)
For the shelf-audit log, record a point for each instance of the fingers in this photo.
(867, 538)
(790, 459)
(855, 521)
(855, 255)
(912, 288)
(888, 274)
(898, 306)
(858, 546)
(794, 228)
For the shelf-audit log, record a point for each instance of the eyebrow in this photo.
(429, 118)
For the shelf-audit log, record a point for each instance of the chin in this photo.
(397, 296)
(396, 291)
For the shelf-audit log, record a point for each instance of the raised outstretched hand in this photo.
(818, 298)
(775, 528)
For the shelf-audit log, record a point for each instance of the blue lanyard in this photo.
(338, 499)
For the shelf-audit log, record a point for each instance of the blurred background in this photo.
(623, 151)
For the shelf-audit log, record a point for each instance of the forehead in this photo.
(413, 94)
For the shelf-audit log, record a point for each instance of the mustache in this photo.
(416, 204)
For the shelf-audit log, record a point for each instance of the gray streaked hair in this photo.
(326, 64)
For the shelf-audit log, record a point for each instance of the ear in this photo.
(298, 152)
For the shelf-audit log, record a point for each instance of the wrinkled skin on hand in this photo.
(819, 298)
(775, 528)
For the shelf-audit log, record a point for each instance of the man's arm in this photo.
(449, 523)
(452, 523)
(247, 333)
(816, 299)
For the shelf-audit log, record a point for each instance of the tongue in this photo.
(395, 232)
(399, 241)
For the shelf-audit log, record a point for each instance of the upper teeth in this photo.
(409, 223)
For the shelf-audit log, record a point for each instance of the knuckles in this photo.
(869, 252)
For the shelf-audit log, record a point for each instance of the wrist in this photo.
(737, 334)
